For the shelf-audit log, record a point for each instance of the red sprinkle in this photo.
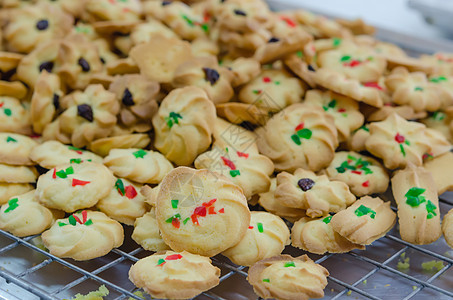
(221, 211)
(366, 183)
(1, 104)
(194, 219)
(173, 257)
(242, 154)
(54, 175)
(211, 210)
(353, 63)
(84, 216)
(266, 79)
(76, 182)
(356, 172)
(175, 222)
(211, 202)
(131, 193)
(200, 211)
(299, 127)
(341, 110)
(399, 138)
(373, 85)
(288, 21)
(228, 163)
(250, 227)
(77, 219)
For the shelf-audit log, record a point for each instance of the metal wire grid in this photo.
(228, 270)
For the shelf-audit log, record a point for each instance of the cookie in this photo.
(138, 165)
(231, 135)
(439, 169)
(174, 275)
(296, 133)
(266, 236)
(73, 8)
(14, 117)
(249, 170)
(122, 66)
(8, 190)
(15, 149)
(14, 89)
(365, 221)
(83, 236)
(143, 32)
(356, 141)
(404, 111)
(147, 234)
(22, 215)
(323, 26)
(244, 70)
(124, 203)
(91, 115)
(53, 153)
(237, 113)
(274, 89)
(287, 277)
(317, 236)
(268, 201)
(198, 203)
(344, 110)
(8, 63)
(45, 102)
(357, 26)
(415, 193)
(447, 228)
(17, 174)
(102, 10)
(103, 146)
(364, 175)
(74, 186)
(316, 194)
(440, 121)
(183, 125)
(208, 75)
(442, 62)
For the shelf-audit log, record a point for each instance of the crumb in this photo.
(138, 294)
(95, 295)
(403, 262)
(349, 293)
(433, 265)
(387, 285)
(365, 281)
(414, 287)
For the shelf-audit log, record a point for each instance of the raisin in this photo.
(310, 68)
(84, 64)
(85, 111)
(211, 75)
(128, 100)
(273, 40)
(42, 24)
(240, 12)
(56, 101)
(47, 65)
(305, 184)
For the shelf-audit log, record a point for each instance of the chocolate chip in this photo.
(166, 3)
(128, 100)
(47, 65)
(42, 24)
(56, 101)
(240, 12)
(273, 40)
(102, 60)
(310, 68)
(84, 64)
(306, 184)
(211, 75)
(85, 111)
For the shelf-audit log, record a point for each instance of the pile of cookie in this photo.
(178, 118)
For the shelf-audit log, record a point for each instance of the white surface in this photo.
(389, 14)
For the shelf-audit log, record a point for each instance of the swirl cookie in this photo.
(91, 114)
(267, 236)
(447, 228)
(8, 190)
(174, 275)
(415, 194)
(147, 234)
(13, 116)
(357, 140)
(296, 133)
(53, 153)
(24, 216)
(74, 186)
(249, 170)
(344, 110)
(144, 166)
(198, 203)
(317, 236)
(365, 221)
(17, 174)
(103, 146)
(286, 277)
(231, 135)
(105, 10)
(274, 89)
(442, 175)
(83, 236)
(238, 113)
(15, 149)
(125, 203)
(244, 70)
(316, 194)
(183, 125)
(364, 175)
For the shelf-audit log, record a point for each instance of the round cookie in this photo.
(317, 236)
(124, 203)
(144, 166)
(15, 149)
(199, 203)
(174, 275)
(364, 175)
(296, 133)
(74, 186)
(17, 174)
(8, 190)
(316, 194)
(24, 216)
(83, 236)
(447, 228)
(147, 234)
(53, 153)
(183, 125)
(287, 277)
(267, 236)
(13, 116)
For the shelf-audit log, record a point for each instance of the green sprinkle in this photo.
(352, 157)
(140, 153)
(345, 58)
(341, 169)
(266, 280)
(69, 171)
(89, 222)
(186, 220)
(430, 208)
(438, 116)
(119, 185)
(260, 227)
(188, 20)
(418, 88)
(332, 103)
(336, 42)
(289, 264)
(235, 173)
(72, 220)
(174, 204)
(7, 112)
(61, 174)
(304, 133)
(205, 27)
(402, 150)
(364, 127)
(438, 79)
(299, 54)
(74, 148)
(169, 220)
(296, 139)
(75, 161)
(327, 219)
(325, 108)
(61, 224)
(173, 119)
(10, 139)
(415, 192)
(160, 261)
(12, 205)
(363, 211)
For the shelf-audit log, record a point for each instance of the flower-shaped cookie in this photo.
(442, 62)
(299, 136)
(15, 149)
(266, 236)
(22, 215)
(249, 170)
(316, 194)
(114, 10)
(274, 89)
(199, 203)
(286, 277)
(317, 236)
(138, 165)
(183, 125)
(344, 110)
(364, 175)
(174, 275)
(74, 186)
(83, 236)
(29, 26)
(147, 234)
(91, 114)
(8, 190)
(244, 70)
